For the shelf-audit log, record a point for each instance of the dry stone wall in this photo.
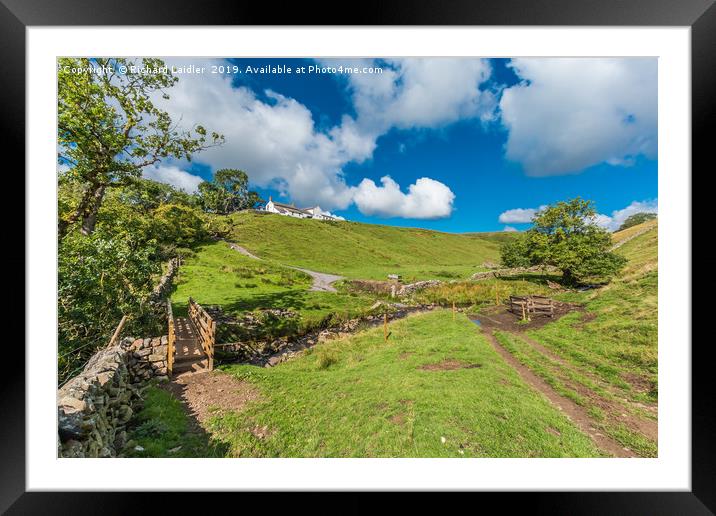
(513, 272)
(95, 407)
(165, 282)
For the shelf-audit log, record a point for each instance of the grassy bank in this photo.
(435, 389)
(218, 275)
(606, 358)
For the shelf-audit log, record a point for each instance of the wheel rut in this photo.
(574, 412)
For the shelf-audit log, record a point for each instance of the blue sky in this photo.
(468, 144)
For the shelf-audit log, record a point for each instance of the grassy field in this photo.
(619, 335)
(218, 275)
(365, 251)
(362, 397)
(437, 388)
(606, 358)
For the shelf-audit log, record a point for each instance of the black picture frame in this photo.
(700, 15)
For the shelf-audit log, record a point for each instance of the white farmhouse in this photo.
(314, 212)
(317, 213)
(286, 209)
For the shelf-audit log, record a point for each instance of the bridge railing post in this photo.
(171, 339)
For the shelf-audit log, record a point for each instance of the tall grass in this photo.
(473, 293)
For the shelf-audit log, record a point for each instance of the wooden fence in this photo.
(526, 306)
(206, 327)
(171, 339)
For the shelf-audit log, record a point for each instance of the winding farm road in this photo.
(322, 282)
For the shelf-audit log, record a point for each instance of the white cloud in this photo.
(277, 143)
(509, 229)
(569, 114)
(419, 92)
(518, 215)
(613, 222)
(174, 176)
(426, 199)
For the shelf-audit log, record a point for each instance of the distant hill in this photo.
(365, 251)
(640, 247)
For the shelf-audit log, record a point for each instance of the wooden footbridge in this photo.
(191, 340)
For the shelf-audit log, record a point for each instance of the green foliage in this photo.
(109, 129)
(565, 235)
(181, 225)
(146, 195)
(637, 218)
(100, 278)
(111, 272)
(227, 192)
(514, 253)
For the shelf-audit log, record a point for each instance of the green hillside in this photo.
(608, 355)
(364, 251)
(215, 274)
(641, 251)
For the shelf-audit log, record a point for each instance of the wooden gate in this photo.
(525, 306)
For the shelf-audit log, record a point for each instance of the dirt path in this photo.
(243, 251)
(322, 282)
(593, 377)
(207, 393)
(574, 412)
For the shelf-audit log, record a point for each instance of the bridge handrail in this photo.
(171, 338)
(206, 327)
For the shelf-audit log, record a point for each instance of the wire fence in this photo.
(75, 360)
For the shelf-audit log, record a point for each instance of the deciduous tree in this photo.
(565, 235)
(109, 128)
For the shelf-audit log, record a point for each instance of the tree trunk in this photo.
(86, 210)
(89, 217)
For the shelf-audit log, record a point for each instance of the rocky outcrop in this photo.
(95, 406)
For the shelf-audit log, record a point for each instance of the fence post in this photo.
(116, 333)
(385, 327)
(453, 310)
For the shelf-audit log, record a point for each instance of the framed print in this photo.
(432, 249)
